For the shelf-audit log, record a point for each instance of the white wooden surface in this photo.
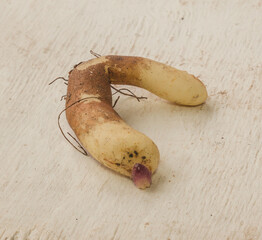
(209, 181)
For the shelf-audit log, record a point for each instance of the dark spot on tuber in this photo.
(143, 157)
(195, 97)
(117, 164)
(136, 153)
(131, 155)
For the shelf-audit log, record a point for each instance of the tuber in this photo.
(102, 131)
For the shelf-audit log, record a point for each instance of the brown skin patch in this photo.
(87, 115)
(129, 71)
(92, 81)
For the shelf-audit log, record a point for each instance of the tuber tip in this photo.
(141, 176)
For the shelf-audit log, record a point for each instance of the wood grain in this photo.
(209, 181)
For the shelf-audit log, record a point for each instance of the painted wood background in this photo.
(209, 181)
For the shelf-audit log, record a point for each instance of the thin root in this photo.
(95, 54)
(66, 80)
(79, 145)
(130, 95)
(77, 64)
(63, 97)
(115, 102)
(84, 152)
